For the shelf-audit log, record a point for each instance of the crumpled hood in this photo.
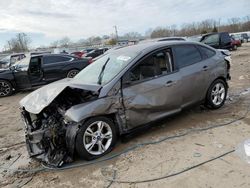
(36, 101)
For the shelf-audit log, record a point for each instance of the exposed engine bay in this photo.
(46, 137)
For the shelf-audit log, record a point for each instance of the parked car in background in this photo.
(97, 52)
(87, 50)
(220, 40)
(195, 38)
(123, 90)
(171, 39)
(39, 52)
(237, 37)
(235, 43)
(163, 39)
(245, 37)
(9, 60)
(34, 71)
(78, 54)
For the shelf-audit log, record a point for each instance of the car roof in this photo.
(64, 55)
(150, 46)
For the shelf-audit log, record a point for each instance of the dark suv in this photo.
(39, 70)
(220, 40)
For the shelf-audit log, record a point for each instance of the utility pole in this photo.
(116, 33)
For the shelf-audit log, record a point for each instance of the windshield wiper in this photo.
(102, 72)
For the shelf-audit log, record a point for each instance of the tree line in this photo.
(233, 25)
(19, 43)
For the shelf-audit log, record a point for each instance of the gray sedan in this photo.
(121, 91)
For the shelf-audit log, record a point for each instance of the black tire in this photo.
(72, 73)
(80, 146)
(235, 47)
(6, 88)
(212, 93)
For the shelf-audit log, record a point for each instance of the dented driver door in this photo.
(152, 99)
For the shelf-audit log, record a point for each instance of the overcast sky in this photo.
(48, 20)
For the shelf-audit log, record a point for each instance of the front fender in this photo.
(102, 106)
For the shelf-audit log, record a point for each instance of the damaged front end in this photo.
(50, 137)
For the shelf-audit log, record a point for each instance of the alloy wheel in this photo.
(72, 73)
(218, 94)
(5, 88)
(97, 138)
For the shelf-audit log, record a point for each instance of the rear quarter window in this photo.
(186, 55)
(206, 52)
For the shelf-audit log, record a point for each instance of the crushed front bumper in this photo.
(40, 146)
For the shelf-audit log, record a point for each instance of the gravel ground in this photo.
(151, 161)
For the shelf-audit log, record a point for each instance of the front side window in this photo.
(154, 65)
(186, 55)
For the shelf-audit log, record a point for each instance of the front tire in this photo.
(95, 138)
(6, 88)
(216, 95)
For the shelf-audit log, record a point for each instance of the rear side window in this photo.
(225, 38)
(206, 53)
(55, 59)
(186, 55)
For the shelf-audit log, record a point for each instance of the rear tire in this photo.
(95, 138)
(216, 95)
(72, 73)
(6, 88)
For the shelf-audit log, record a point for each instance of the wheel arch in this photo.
(68, 70)
(11, 81)
(114, 117)
(72, 130)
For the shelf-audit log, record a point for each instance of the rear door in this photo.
(225, 41)
(151, 89)
(194, 73)
(53, 67)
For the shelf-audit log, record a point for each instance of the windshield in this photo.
(105, 68)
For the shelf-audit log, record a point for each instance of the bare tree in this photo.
(18, 44)
(65, 42)
(132, 35)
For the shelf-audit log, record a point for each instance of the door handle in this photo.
(205, 68)
(169, 83)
